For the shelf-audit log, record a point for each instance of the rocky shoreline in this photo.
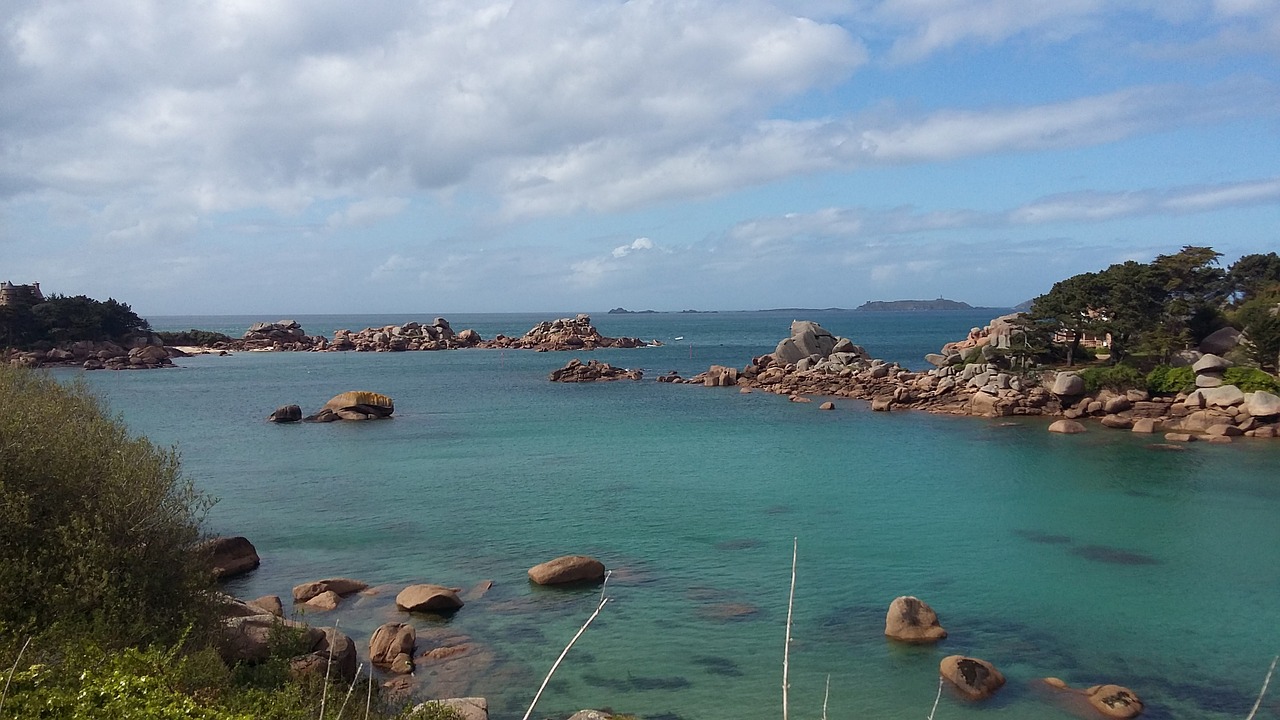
(971, 378)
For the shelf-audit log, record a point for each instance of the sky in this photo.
(333, 156)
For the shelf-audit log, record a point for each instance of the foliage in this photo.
(432, 711)
(1251, 379)
(61, 319)
(1253, 275)
(99, 529)
(1114, 377)
(1166, 380)
(198, 338)
(1261, 324)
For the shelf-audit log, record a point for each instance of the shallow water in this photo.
(1094, 558)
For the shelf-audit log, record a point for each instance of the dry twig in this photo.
(786, 648)
(564, 652)
(1265, 683)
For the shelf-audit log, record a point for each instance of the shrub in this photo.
(1251, 379)
(1115, 377)
(1166, 380)
(99, 529)
(199, 338)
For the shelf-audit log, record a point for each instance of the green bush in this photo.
(1166, 380)
(199, 338)
(1114, 377)
(1251, 379)
(99, 529)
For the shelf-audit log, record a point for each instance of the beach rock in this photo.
(1178, 437)
(1114, 701)
(720, 376)
(1261, 404)
(250, 638)
(1067, 384)
(912, 620)
(341, 586)
(1210, 363)
(828, 405)
(1225, 396)
(882, 404)
(975, 679)
(567, 569)
(591, 715)
(231, 556)
(1223, 430)
(401, 664)
(469, 708)
(286, 414)
(390, 640)
(1117, 422)
(1067, 427)
(428, 598)
(1220, 342)
(359, 404)
(1209, 381)
(575, 333)
(1116, 404)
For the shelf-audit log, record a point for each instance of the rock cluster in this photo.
(971, 378)
(247, 636)
(143, 353)
(408, 337)
(575, 333)
(279, 335)
(591, 371)
(350, 405)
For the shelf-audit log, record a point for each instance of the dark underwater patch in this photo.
(739, 544)
(1113, 556)
(1042, 538)
(717, 665)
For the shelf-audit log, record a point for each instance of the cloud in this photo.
(363, 213)
(935, 25)
(638, 244)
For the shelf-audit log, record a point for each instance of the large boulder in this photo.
(354, 405)
(1261, 404)
(391, 640)
(1114, 701)
(567, 569)
(1220, 342)
(231, 556)
(340, 586)
(910, 619)
(334, 655)
(1225, 396)
(286, 414)
(1067, 384)
(426, 597)
(975, 679)
(1210, 364)
(468, 708)
(251, 638)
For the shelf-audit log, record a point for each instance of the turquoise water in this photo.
(1095, 558)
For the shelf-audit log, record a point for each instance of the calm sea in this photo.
(1094, 558)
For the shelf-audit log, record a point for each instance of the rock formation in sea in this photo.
(974, 376)
(354, 405)
(575, 333)
(576, 371)
(142, 353)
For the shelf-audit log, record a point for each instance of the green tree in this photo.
(1260, 320)
(1253, 275)
(98, 530)
(1070, 309)
(71, 319)
(1195, 289)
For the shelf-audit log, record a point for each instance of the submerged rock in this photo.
(975, 679)
(910, 619)
(567, 569)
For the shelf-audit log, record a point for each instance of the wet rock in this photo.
(975, 679)
(428, 598)
(575, 371)
(1067, 427)
(325, 601)
(286, 414)
(567, 569)
(912, 620)
(389, 641)
(1114, 701)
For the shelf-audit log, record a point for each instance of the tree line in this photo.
(62, 319)
(1153, 310)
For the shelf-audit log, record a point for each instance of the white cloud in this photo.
(363, 213)
(638, 244)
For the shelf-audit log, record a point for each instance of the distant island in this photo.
(624, 311)
(915, 305)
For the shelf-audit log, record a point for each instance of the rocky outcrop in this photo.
(279, 335)
(975, 679)
(231, 556)
(575, 333)
(988, 387)
(910, 619)
(355, 405)
(392, 646)
(428, 598)
(142, 352)
(411, 336)
(576, 371)
(1066, 427)
(567, 569)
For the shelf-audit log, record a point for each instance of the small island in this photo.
(915, 305)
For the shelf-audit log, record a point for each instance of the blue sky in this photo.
(576, 155)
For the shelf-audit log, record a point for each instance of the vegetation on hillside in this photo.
(60, 319)
(1151, 311)
(108, 608)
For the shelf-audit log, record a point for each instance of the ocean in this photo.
(1096, 558)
